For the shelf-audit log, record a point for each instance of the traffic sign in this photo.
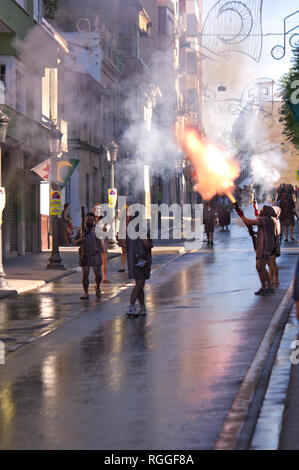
(112, 197)
(55, 203)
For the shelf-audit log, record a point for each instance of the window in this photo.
(182, 6)
(192, 25)
(191, 63)
(162, 20)
(50, 93)
(2, 83)
(145, 24)
(3, 73)
(129, 40)
(165, 21)
(126, 38)
(20, 91)
(37, 10)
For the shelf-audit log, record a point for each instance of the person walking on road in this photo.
(287, 206)
(265, 246)
(90, 255)
(139, 259)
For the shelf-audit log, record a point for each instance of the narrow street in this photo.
(100, 380)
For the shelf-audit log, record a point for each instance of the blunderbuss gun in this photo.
(250, 228)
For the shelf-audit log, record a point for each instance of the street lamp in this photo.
(55, 136)
(3, 131)
(112, 154)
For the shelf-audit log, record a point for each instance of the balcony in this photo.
(134, 65)
(27, 131)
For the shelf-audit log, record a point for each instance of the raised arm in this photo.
(249, 221)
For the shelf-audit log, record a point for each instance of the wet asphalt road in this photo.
(166, 381)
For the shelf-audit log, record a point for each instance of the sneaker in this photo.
(142, 310)
(132, 311)
(270, 291)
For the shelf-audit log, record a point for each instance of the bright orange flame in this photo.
(215, 170)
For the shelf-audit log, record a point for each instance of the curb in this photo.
(270, 424)
(37, 284)
(231, 435)
(34, 285)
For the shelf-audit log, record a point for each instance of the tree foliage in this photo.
(290, 91)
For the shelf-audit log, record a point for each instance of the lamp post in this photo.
(3, 131)
(112, 153)
(55, 136)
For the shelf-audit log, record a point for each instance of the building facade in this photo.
(31, 93)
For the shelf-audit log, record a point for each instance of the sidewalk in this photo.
(24, 273)
(289, 435)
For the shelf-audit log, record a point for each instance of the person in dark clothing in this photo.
(90, 255)
(296, 290)
(66, 220)
(139, 260)
(287, 221)
(223, 213)
(265, 246)
(209, 220)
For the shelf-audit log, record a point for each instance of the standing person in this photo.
(104, 241)
(274, 270)
(90, 255)
(139, 257)
(287, 206)
(265, 245)
(66, 220)
(97, 211)
(223, 214)
(209, 219)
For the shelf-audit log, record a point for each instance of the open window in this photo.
(145, 24)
